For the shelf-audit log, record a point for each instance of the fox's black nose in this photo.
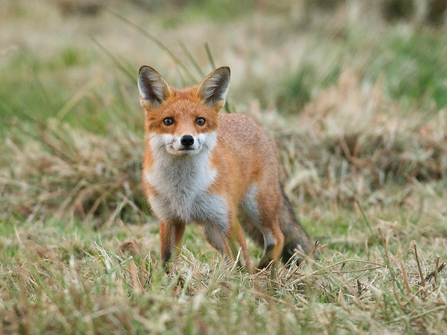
(187, 140)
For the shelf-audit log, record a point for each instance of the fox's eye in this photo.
(200, 121)
(168, 121)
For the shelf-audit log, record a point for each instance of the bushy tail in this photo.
(295, 237)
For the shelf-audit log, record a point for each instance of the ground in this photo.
(356, 106)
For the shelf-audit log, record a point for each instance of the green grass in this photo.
(413, 67)
(356, 107)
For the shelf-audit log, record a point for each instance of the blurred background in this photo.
(352, 91)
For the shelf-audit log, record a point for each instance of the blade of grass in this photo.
(236, 261)
(115, 61)
(185, 286)
(39, 83)
(393, 273)
(191, 59)
(229, 107)
(417, 315)
(422, 283)
(173, 282)
(210, 57)
(156, 41)
(74, 100)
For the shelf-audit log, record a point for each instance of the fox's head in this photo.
(182, 122)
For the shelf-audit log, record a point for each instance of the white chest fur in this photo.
(182, 184)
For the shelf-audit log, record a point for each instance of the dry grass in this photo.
(66, 172)
(105, 288)
(363, 161)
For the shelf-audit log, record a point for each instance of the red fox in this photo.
(217, 170)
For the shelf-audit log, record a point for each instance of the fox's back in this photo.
(248, 143)
(245, 160)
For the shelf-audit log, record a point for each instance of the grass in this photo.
(355, 105)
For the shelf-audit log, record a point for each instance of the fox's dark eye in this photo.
(168, 121)
(200, 121)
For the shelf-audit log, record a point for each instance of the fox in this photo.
(218, 170)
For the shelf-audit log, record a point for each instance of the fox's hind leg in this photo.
(260, 218)
(273, 243)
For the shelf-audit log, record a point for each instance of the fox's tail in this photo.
(295, 237)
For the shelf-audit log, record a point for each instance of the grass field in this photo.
(356, 105)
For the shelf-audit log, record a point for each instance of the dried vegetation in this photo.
(364, 162)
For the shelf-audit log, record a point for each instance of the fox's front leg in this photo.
(170, 239)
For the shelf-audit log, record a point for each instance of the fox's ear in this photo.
(153, 88)
(213, 89)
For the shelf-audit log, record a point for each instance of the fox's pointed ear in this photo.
(153, 88)
(213, 89)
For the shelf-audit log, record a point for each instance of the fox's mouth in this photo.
(188, 151)
(182, 151)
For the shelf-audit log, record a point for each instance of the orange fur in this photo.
(235, 168)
